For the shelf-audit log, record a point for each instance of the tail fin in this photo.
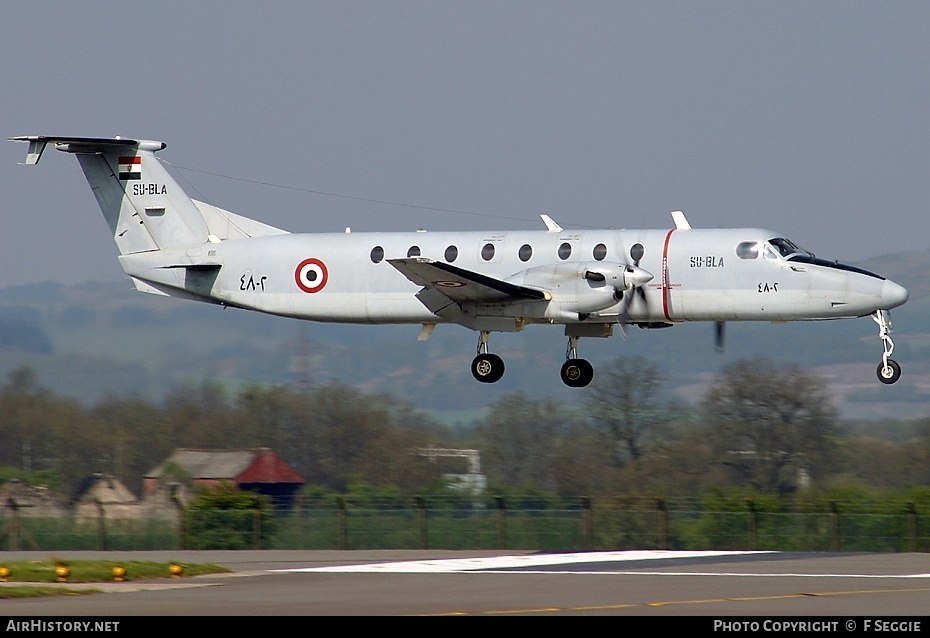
(144, 206)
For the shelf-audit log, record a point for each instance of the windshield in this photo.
(787, 248)
(794, 253)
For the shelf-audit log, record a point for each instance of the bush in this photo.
(227, 518)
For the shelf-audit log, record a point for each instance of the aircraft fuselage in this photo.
(699, 275)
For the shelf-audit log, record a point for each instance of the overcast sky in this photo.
(808, 118)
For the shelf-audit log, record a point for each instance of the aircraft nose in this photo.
(893, 295)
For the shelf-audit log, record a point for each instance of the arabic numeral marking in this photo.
(252, 283)
(767, 287)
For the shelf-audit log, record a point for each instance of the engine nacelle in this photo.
(580, 288)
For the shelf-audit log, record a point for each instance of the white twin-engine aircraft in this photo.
(587, 281)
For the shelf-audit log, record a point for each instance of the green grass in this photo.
(38, 591)
(92, 571)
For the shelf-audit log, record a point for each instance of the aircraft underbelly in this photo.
(386, 307)
(346, 307)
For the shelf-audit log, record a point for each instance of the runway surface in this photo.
(447, 583)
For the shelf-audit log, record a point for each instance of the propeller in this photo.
(719, 335)
(635, 277)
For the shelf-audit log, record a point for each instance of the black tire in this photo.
(890, 374)
(577, 373)
(487, 368)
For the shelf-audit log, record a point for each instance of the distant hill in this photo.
(101, 339)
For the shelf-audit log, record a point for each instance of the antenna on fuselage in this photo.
(681, 222)
(551, 225)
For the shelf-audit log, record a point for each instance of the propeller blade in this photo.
(625, 310)
(634, 280)
(719, 336)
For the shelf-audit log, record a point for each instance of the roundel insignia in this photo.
(449, 284)
(311, 275)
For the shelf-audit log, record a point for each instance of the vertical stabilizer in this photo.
(144, 206)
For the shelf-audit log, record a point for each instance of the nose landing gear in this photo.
(888, 370)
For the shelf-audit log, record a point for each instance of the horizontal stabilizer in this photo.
(200, 267)
(37, 144)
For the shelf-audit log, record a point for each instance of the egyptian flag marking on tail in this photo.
(130, 167)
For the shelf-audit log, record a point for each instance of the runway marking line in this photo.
(596, 608)
(454, 565)
(493, 565)
(718, 574)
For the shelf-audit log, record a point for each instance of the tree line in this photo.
(762, 425)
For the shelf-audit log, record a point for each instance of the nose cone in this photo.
(893, 295)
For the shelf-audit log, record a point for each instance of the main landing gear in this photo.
(489, 368)
(576, 373)
(888, 370)
(486, 367)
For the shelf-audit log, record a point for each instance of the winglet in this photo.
(551, 225)
(681, 223)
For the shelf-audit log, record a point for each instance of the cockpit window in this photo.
(793, 253)
(787, 248)
(748, 250)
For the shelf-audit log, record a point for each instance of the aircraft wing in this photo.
(464, 286)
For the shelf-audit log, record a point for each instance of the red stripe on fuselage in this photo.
(665, 282)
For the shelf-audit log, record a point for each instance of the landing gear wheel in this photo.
(487, 368)
(888, 370)
(890, 373)
(577, 373)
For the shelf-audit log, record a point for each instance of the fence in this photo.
(563, 525)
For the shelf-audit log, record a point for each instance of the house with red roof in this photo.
(256, 469)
